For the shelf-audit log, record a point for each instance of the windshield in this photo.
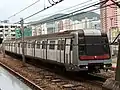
(93, 45)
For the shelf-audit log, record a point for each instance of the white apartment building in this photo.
(7, 30)
(63, 25)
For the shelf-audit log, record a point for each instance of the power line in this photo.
(71, 14)
(23, 9)
(49, 2)
(70, 8)
(41, 10)
(53, 1)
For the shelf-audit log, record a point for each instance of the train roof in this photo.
(69, 33)
(58, 34)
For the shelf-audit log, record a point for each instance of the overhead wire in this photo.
(71, 14)
(49, 2)
(69, 8)
(53, 1)
(41, 10)
(24, 9)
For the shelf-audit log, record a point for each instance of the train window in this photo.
(81, 44)
(25, 45)
(32, 44)
(14, 44)
(52, 45)
(44, 44)
(38, 44)
(28, 44)
(105, 44)
(61, 44)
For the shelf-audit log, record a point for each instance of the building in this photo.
(7, 30)
(52, 24)
(109, 19)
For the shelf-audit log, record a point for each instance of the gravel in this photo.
(45, 79)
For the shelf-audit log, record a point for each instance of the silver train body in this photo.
(76, 50)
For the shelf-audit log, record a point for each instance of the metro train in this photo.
(76, 50)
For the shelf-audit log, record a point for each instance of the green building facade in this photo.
(27, 32)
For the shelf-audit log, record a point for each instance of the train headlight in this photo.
(104, 66)
(86, 67)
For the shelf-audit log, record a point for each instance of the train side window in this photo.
(59, 42)
(38, 45)
(62, 44)
(52, 45)
(25, 45)
(32, 44)
(28, 44)
(14, 44)
(44, 44)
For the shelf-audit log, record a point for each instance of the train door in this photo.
(33, 48)
(60, 50)
(25, 48)
(67, 51)
(37, 48)
(29, 49)
(15, 47)
(18, 47)
(44, 48)
(51, 51)
(10, 46)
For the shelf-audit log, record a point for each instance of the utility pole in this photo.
(22, 28)
(3, 44)
(117, 76)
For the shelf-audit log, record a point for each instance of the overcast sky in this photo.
(10, 7)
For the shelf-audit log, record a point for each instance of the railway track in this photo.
(21, 77)
(72, 80)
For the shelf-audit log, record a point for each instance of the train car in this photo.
(76, 50)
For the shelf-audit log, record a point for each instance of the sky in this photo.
(10, 7)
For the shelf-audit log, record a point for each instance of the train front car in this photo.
(93, 51)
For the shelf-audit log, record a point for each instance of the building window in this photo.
(12, 30)
(13, 26)
(6, 34)
(12, 34)
(6, 30)
(1, 26)
(52, 45)
(6, 26)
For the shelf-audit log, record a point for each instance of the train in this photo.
(75, 50)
